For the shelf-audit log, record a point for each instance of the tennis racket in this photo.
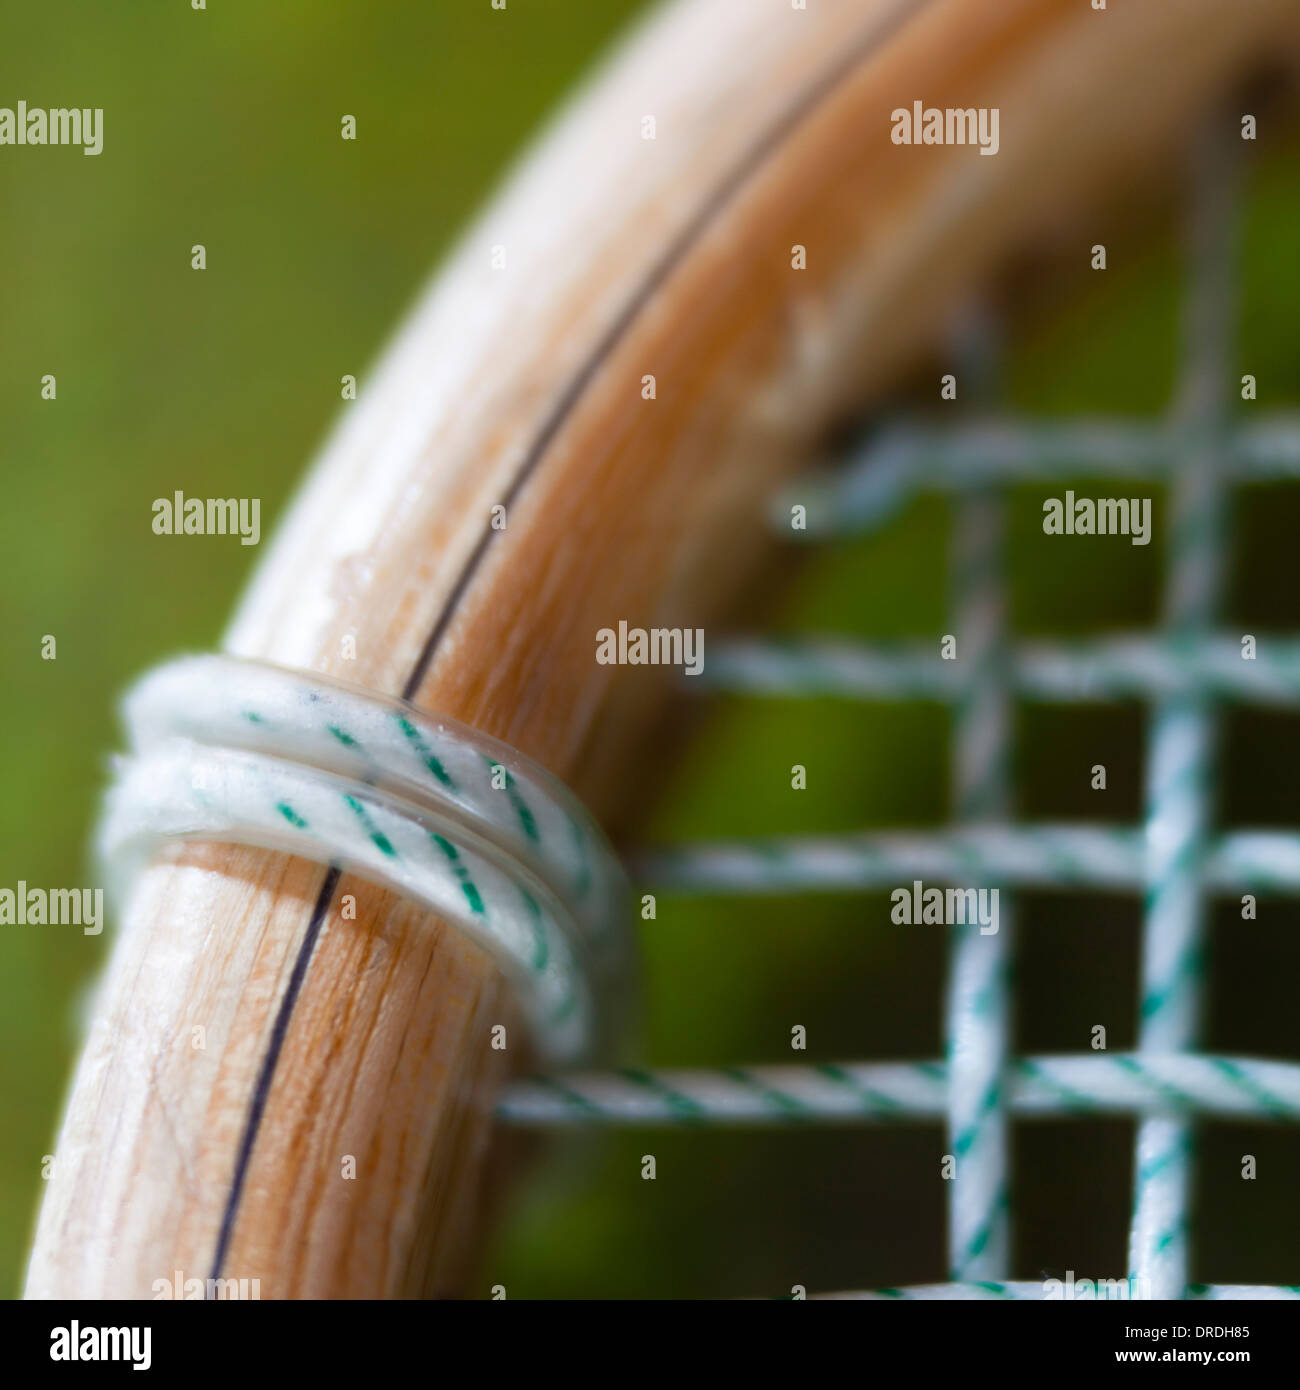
(737, 242)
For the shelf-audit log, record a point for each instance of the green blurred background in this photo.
(221, 127)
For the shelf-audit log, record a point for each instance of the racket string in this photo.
(1185, 669)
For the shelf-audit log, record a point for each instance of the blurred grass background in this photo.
(221, 128)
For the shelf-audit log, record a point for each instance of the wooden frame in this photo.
(521, 381)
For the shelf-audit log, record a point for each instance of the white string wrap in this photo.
(249, 753)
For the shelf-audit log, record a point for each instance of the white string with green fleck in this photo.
(1098, 857)
(977, 1005)
(1182, 734)
(245, 752)
(1120, 1290)
(861, 1093)
(913, 458)
(1173, 858)
(1116, 668)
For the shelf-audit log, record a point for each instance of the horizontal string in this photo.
(871, 1092)
(907, 459)
(1039, 1291)
(1043, 856)
(1115, 669)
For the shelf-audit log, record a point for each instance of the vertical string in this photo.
(1179, 767)
(977, 1004)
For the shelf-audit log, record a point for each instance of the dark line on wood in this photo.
(267, 1073)
(676, 253)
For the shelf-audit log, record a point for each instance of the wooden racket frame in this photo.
(249, 1039)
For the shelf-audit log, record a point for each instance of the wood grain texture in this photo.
(624, 257)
